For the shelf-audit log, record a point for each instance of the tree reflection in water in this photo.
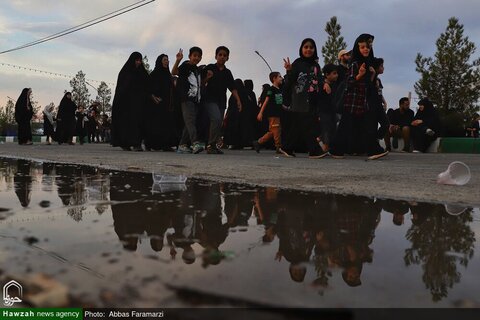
(440, 243)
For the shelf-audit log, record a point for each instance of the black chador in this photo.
(66, 119)
(158, 122)
(23, 116)
(128, 104)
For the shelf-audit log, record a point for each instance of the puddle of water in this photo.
(117, 239)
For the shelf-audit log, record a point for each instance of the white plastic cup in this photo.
(457, 173)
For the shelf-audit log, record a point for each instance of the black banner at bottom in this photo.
(274, 314)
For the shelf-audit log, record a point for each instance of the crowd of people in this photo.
(331, 111)
(63, 125)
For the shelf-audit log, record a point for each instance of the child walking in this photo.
(355, 134)
(218, 79)
(189, 81)
(81, 127)
(271, 108)
(326, 107)
(303, 83)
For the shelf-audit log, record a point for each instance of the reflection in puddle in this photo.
(100, 231)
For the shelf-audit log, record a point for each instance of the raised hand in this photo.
(179, 55)
(287, 64)
(362, 70)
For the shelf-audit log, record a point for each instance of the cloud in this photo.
(273, 27)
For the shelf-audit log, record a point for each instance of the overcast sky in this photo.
(273, 27)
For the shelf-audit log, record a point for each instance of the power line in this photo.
(51, 73)
(80, 25)
(83, 25)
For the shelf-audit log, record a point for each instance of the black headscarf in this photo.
(357, 56)
(67, 108)
(427, 106)
(130, 64)
(158, 63)
(66, 99)
(23, 106)
(161, 80)
(315, 54)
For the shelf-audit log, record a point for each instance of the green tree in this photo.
(334, 43)
(9, 112)
(7, 116)
(451, 78)
(37, 110)
(80, 94)
(104, 95)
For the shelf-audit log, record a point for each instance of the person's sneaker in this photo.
(395, 143)
(197, 148)
(416, 151)
(137, 148)
(319, 155)
(213, 150)
(378, 155)
(256, 146)
(287, 153)
(183, 149)
(430, 132)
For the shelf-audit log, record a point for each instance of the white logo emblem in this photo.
(7, 299)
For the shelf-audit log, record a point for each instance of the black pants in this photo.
(302, 129)
(421, 141)
(357, 135)
(24, 132)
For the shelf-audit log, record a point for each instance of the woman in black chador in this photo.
(66, 119)
(128, 104)
(425, 126)
(23, 116)
(233, 129)
(159, 128)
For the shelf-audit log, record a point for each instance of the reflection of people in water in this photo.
(23, 182)
(71, 185)
(265, 208)
(186, 228)
(238, 208)
(296, 235)
(129, 216)
(356, 220)
(398, 208)
(135, 214)
(213, 231)
(65, 182)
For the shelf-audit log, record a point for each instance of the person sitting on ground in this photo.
(400, 120)
(425, 126)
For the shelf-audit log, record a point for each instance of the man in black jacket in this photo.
(400, 120)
